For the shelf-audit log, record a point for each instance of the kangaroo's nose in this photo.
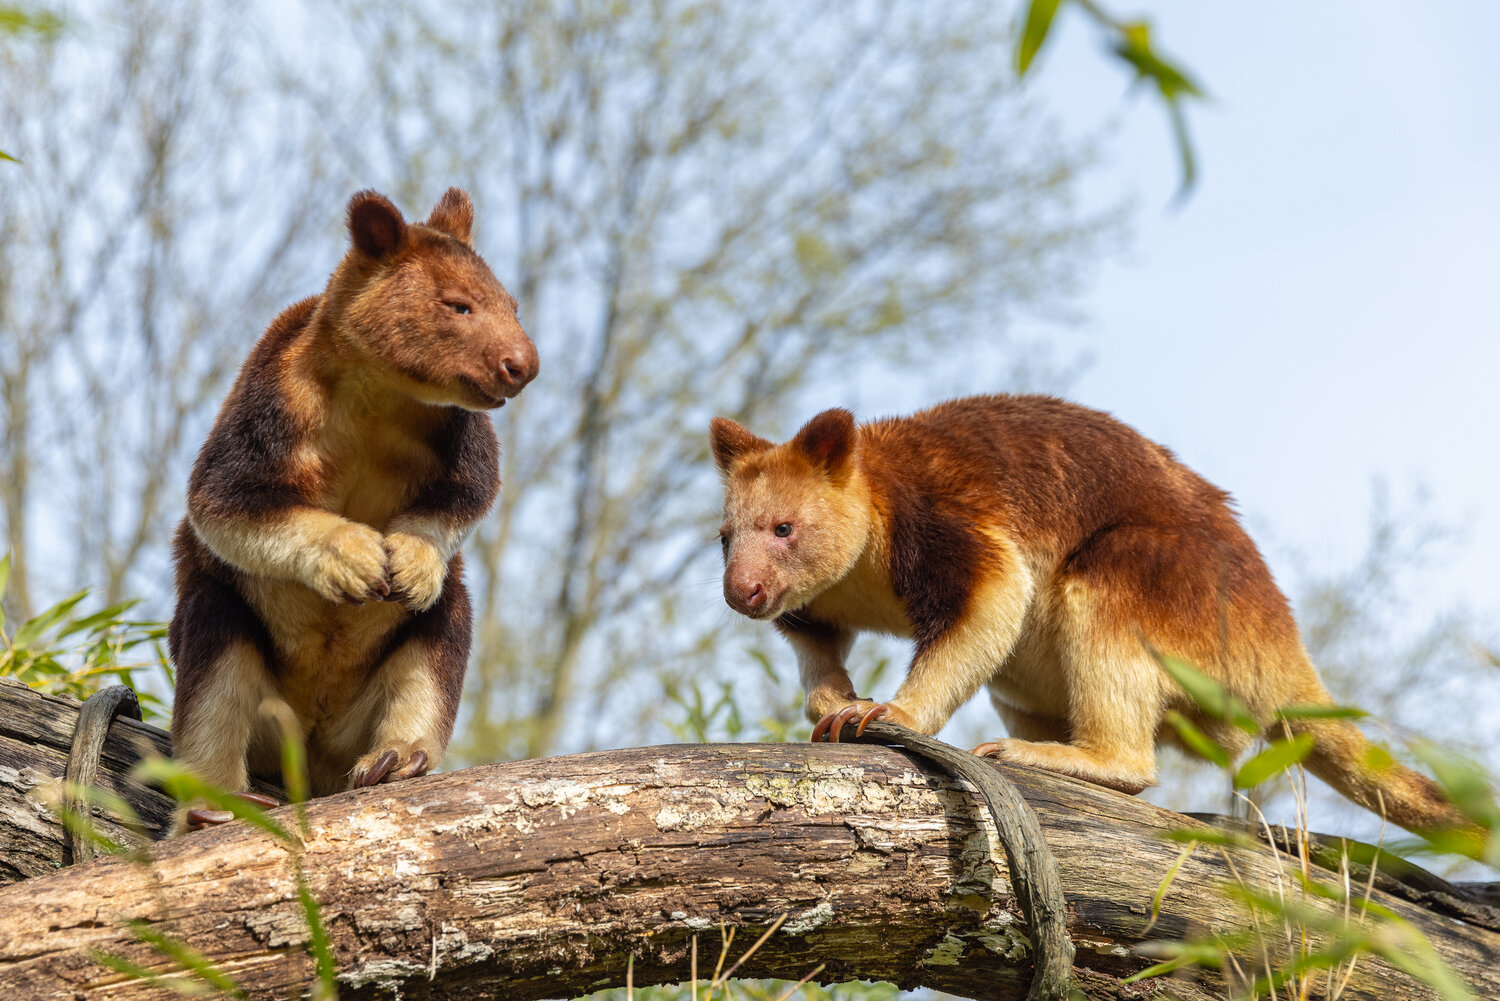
(518, 366)
(756, 597)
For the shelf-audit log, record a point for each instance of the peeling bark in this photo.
(538, 879)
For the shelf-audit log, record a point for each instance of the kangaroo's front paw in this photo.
(350, 565)
(396, 761)
(417, 570)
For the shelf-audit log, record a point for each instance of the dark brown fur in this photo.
(1043, 550)
(318, 565)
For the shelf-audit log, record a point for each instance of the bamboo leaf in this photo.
(1319, 712)
(318, 943)
(104, 617)
(186, 956)
(1039, 18)
(1166, 881)
(1463, 781)
(186, 787)
(46, 620)
(174, 982)
(17, 20)
(1281, 755)
(1210, 836)
(1182, 954)
(1210, 696)
(1201, 743)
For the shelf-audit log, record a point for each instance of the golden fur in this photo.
(1039, 549)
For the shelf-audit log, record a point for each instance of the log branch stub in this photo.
(89, 735)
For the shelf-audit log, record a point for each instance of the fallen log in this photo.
(542, 878)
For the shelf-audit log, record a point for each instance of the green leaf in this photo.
(1189, 162)
(1319, 712)
(183, 785)
(46, 620)
(1134, 47)
(1183, 954)
(1378, 759)
(1038, 23)
(293, 763)
(4, 560)
(104, 617)
(1201, 743)
(173, 983)
(760, 657)
(1464, 782)
(1210, 836)
(815, 255)
(1210, 696)
(318, 942)
(185, 956)
(80, 823)
(1325, 959)
(16, 20)
(1281, 755)
(1166, 881)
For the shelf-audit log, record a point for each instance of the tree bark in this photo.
(36, 734)
(539, 879)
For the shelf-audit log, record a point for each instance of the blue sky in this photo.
(1324, 310)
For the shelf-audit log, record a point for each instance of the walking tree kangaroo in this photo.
(1039, 549)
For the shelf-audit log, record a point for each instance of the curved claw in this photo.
(989, 749)
(829, 726)
(416, 766)
(844, 716)
(199, 818)
(383, 764)
(821, 729)
(264, 802)
(875, 713)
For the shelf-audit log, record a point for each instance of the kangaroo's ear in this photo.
(828, 439)
(730, 440)
(375, 225)
(454, 215)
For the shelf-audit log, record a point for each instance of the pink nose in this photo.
(755, 598)
(517, 367)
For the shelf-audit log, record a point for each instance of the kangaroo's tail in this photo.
(1341, 756)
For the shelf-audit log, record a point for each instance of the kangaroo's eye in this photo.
(461, 308)
(783, 530)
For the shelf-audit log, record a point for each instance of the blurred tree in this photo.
(703, 208)
(149, 233)
(26, 21)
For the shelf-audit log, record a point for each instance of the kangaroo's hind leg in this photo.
(218, 729)
(400, 724)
